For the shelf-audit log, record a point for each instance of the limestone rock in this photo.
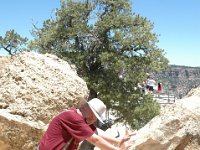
(33, 89)
(194, 91)
(176, 128)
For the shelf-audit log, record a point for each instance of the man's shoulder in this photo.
(70, 115)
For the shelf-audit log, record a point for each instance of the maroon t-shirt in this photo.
(68, 124)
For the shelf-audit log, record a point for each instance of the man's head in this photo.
(95, 108)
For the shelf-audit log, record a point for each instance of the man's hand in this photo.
(126, 141)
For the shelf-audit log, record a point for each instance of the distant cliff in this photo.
(179, 80)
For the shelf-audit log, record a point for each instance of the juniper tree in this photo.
(112, 48)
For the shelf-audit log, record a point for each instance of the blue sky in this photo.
(176, 21)
(178, 24)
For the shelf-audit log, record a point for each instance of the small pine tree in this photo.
(13, 42)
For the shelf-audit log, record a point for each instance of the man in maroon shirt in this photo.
(72, 126)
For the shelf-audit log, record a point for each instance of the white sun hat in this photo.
(98, 108)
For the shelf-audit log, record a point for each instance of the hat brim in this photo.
(98, 117)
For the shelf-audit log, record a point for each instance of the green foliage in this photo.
(144, 112)
(13, 42)
(111, 47)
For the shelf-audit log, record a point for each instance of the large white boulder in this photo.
(176, 128)
(33, 89)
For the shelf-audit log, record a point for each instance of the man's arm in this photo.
(122, 143)
(108, 137)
